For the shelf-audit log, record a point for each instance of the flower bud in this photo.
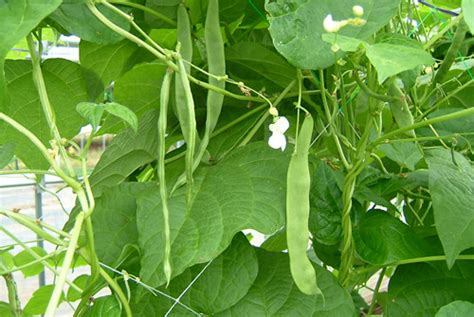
(358, 11)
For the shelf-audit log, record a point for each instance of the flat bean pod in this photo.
(216, 65)
(297, 212)
(186, 50)
(188, 121)
(162, 121)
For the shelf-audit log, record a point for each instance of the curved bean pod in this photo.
(297, 212)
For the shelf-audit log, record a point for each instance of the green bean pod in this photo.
(400, 109)
(216, 67)
(162, 121)
(188, 121)
(297, 212)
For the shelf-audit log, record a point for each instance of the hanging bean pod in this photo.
(297, 212)
(162, 121)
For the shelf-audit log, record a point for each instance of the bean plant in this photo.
(339, 131)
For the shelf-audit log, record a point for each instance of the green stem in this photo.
(33, 226)
(376, 291)
(40, 146)
(45, 103)
(434, 258)
(452, 94)
(451, 116)
(71, 249)
(138, 6)
(13, 298)
(36, 256)
(331, 123)
(130, 20)
(39, 260)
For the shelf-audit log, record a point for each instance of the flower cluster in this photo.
(278, 140)
(332, 26)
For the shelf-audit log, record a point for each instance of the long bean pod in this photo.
(189, 121)
(297, 211)
(164, 100)
(216, 65)
(186, 50)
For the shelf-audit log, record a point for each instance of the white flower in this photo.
(330, 25)
(358, 11)
(278, 140)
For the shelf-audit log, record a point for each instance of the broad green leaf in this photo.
(225, 282)
(258, 66)
(123, 113)
(407, 154)
(276, 242)
(17, 19)
(139, 90)
(382, 239)
(167, 8)
(77, 19)
(456, 309)
(127, 152)
(220, 209)
(24, 258)
(92, 112)
(326, 206)
(468, 9)
(221, 285)
(222, 143)
(296, 27)
(6, 261)
(104, 306)
(66, 88)
(391, 59)
(114, 220)
(5, 310)
(345, 43)
(275, 294)
(166, 38)
(40, 299)
(421, 289)
(72, 294)
(104, 63)
(451, 184)
(7, 151)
